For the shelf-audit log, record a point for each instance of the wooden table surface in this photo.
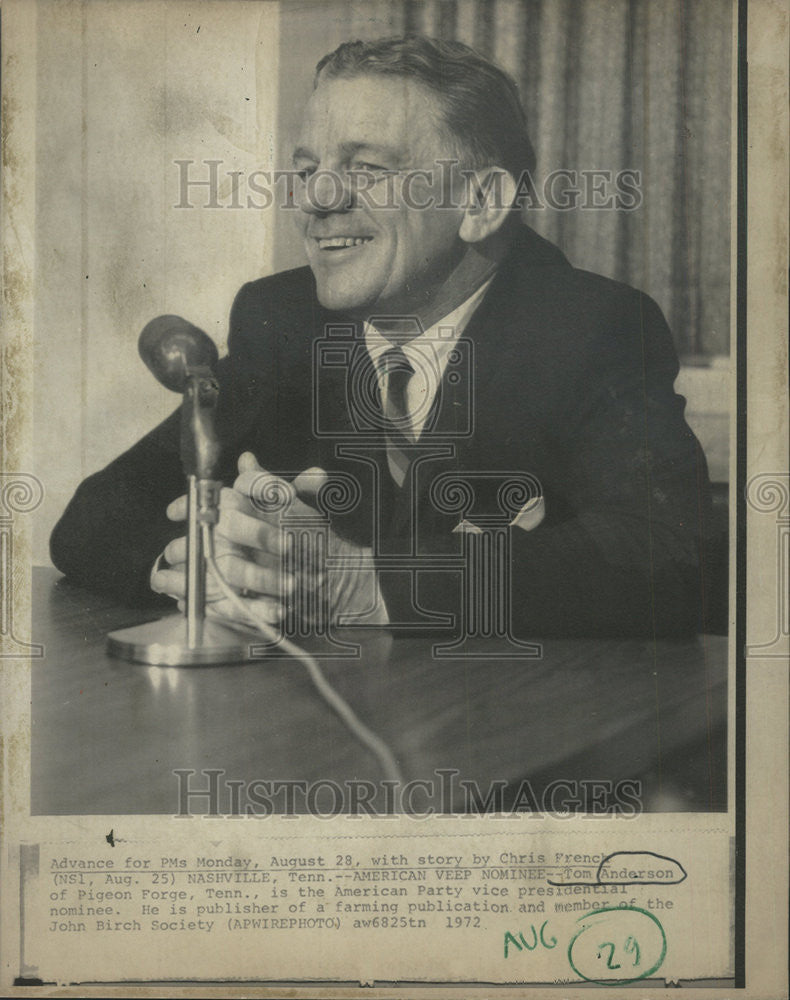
(107, 734)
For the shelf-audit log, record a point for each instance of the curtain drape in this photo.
(617, 85)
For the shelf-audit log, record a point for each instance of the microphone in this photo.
(170, 347)
(182, 357)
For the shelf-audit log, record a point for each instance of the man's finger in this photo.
(242, 574)
(173, 583)
(248, 462)
(308, 483)
(169, 581)
(250, 532)
(268, 493)
(177, 510)
(176, 551)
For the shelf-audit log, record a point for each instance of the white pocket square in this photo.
(530, 515)
(467, 528)
(528, 518)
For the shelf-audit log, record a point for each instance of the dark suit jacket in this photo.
(570, 379)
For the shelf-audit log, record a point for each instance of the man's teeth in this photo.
(338, 242)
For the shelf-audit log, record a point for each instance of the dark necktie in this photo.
(397, 371)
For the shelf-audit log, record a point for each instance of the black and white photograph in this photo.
(385, 461)
(451, 510)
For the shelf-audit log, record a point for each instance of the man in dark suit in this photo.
(452, 367)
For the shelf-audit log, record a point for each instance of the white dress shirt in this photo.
(428, 355)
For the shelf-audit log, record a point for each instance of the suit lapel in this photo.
(467, 410)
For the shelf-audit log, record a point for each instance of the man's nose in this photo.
(327, 191)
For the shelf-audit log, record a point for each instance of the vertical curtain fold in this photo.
(617, 85)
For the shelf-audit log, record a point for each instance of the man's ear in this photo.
(490, 198)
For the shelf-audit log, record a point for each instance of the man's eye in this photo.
(372, 168)
(304, 172)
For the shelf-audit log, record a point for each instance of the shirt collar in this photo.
(435, 343)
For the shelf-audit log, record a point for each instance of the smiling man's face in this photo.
(368, 259)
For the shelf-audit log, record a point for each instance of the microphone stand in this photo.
(190, 639)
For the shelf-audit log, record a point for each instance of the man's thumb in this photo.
(248, 462)
(309, 482)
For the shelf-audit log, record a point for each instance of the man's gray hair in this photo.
(480, 103)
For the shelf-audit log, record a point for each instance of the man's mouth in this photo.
(341, 242)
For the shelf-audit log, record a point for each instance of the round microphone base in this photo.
(164, 643)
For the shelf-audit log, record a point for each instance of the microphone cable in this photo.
(366, 736)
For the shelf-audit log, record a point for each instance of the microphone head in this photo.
(169, 346)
